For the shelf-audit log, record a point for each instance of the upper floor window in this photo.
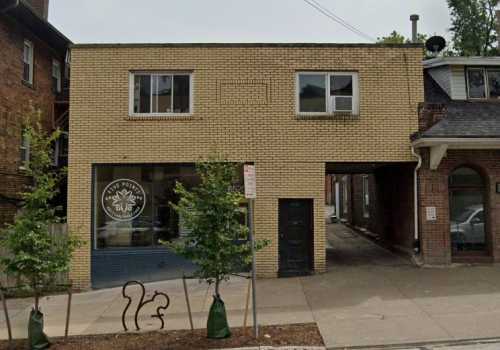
(161, 94)
(483, 83)
(56, 76)
(327, 93)
(24, 149)
(28, 55)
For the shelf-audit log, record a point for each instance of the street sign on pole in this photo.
(251, 194)
(250, 183)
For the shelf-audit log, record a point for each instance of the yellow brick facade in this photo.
(244, 107)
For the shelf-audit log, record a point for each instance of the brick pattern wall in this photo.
(433, 192)
(41, 7)
(15, 98)
(289, 152)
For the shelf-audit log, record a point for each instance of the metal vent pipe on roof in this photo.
(414, 28)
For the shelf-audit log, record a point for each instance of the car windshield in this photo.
(463, 216)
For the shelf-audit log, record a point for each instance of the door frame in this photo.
(310, 240)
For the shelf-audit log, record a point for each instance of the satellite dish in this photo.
(435, 44)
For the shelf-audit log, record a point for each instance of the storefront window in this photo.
(467, 216)
(131, 204)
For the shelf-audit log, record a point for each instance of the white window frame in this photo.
(486, 80)
(329, 110)
(30, 60)
(57, 64)
(26, 148)
(366, 196)
(152, 73)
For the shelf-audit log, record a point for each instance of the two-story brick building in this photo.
(32, 70)
(459, 141)
(143, 114)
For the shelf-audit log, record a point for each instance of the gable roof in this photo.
(462, 119)
(23, 13)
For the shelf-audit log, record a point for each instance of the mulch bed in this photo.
(289, 335)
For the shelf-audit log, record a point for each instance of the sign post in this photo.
(251, 194)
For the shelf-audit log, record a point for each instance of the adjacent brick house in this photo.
(142, 114)
(32, 66)
(459, 142)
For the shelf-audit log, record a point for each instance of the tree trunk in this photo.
(217, 285)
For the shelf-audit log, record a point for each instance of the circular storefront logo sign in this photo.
(123, 200)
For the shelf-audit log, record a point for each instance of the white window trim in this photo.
(31, 61)
(484, 70)
(328, 98)
(131, 94)
(56, 63)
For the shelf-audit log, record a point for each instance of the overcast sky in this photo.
(86, 21)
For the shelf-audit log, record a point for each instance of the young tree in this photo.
(35, 255)
(217, 241)
(474, 27)
(396, 38)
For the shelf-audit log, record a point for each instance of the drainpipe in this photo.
(415, 196)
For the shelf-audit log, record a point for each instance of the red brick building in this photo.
(459, 177)
(33, 70)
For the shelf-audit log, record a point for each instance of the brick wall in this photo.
(41, 7)
(433, 192)
(289, 152)
(15, 98)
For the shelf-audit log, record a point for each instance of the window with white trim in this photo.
(483, 83)
(327, 93)
(366, 196)
(56, 76)
(161, 94)
(24, 149)
(28, 54)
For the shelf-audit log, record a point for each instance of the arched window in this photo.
(467, 211)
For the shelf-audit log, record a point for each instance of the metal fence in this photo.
(60, 232)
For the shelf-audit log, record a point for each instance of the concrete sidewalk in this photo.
(379, 300)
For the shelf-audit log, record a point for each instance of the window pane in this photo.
(341, 85)
(312, 92)
(142, 94)
(476, 83)
(27, 53)
(132, 208)
(467, 221)
(162, 94)
(494, 83)
(181, 94)
(26, 72)
(466, 177)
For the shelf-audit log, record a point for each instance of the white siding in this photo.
(458, 83)
(442, 76)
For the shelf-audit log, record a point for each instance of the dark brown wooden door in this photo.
(295, 237)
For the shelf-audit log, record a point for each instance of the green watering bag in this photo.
(217, 327)
(36, 337)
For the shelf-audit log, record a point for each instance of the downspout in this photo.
(415, 198)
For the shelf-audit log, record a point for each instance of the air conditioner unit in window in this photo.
(342, 103)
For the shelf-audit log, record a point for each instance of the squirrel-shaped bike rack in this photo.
(159, 315)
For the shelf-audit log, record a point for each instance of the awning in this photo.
(439, 146)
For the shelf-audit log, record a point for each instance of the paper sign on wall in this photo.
(250, 182)
(430, 213)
